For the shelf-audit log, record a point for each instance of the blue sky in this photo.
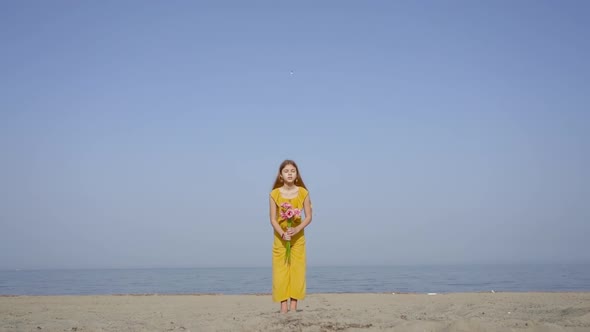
(148, 134)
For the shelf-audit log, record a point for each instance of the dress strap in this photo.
(274, 194)
(302, 194)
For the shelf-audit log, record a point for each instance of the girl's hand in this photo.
(286, 236)
(292, 231)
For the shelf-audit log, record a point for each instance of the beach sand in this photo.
(472, 312)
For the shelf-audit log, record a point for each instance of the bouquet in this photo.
(288, 212)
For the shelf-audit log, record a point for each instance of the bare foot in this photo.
(293, 305)
(284, 307)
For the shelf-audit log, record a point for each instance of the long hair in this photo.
(298, 180)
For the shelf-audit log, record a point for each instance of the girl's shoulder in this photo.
(275, 194)
(303, 192)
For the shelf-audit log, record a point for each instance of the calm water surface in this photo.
(440, 279)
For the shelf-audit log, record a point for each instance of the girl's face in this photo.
(289, 174)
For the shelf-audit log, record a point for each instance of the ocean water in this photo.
(359, 279)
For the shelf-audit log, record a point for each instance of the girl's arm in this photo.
(273, 220)
(308, 217)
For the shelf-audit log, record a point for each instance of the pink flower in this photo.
(283, 215)
(286, 205)
(297, 212)
(289, 214)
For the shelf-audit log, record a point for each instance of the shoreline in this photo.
(475, 311)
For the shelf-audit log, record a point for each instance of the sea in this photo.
(320, 279)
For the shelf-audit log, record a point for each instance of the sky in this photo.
(140, 134)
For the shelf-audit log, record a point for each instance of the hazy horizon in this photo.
(144, 134)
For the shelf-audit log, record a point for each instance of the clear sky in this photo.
(148, 133)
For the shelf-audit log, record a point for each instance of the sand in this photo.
(472, 312)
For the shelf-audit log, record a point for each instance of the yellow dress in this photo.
(288, 279)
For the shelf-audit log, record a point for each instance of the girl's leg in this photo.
(293, 304)
(284, 307)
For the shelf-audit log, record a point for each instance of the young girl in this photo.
(288, 277)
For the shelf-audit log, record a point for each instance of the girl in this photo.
(288, 278)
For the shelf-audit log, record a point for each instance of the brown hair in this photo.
(298, 181)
